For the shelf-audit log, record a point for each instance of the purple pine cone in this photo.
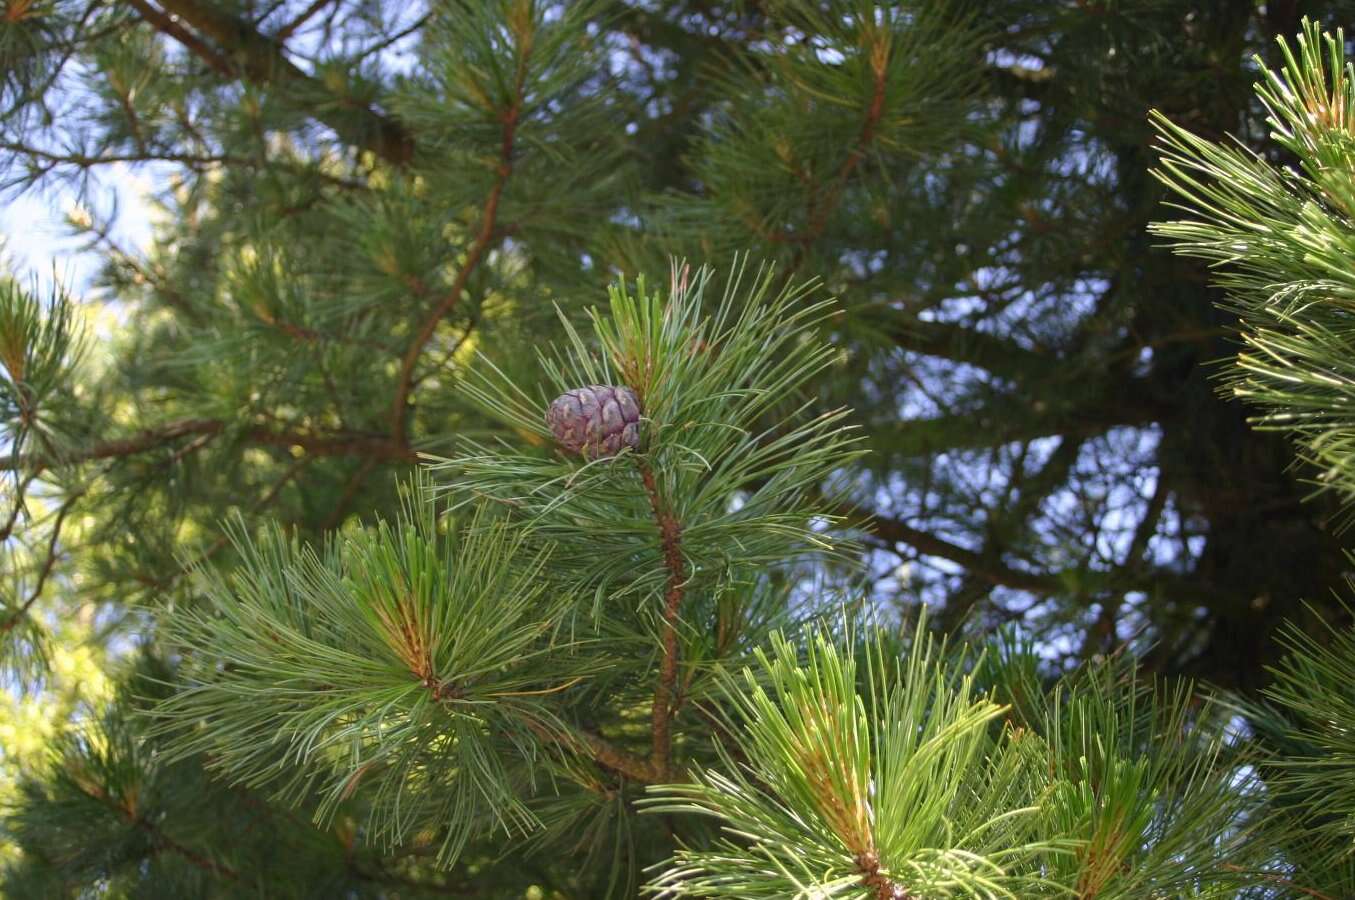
(597, 421)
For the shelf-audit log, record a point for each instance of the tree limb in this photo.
(1009, 419)
(302, 18)
(47, 567)
(479, 246)
(993, 571)
(598, 749)
(339, 443)
(263, 60)
(998, 355)
(670, 535)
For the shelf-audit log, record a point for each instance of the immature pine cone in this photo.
(596, 421)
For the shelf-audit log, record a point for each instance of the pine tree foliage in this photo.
(40, 347)
(441, 680)
(878, 774)
(901, 793)
(113, 812)
(401, 661)
(436, 666)
(1280, 240)
(729, 451)
(473, 680)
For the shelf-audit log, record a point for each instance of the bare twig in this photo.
(166, 24)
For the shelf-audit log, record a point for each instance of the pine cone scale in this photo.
(598, 421)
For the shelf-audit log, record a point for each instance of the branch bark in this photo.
(246, 52)
(479, 246)
(600, 750)
(670, 535)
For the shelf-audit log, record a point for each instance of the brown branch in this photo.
(350, 491)
(372, 446)
(958, 343)
(606, 754)
(881, 888)
(992, 571)
(47, 567)
(85, 161)
(1102, 633)
(20, 488)
(391, 41)
(993, 424)
(339, 443)
(250, 54)
(670, 534)
(1085, 580)
(479, 246)
(163, 840)
(146, 440)
(167, 25)
(1010, 516)
(600, 750)
(302, 18)
(127, 812)
(820, 208)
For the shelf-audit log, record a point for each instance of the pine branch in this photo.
(301, 19)
(993, 571)
(87, 161)
(46, 570)
(362, 444)
(1101, 636)
(168, 25)
(264, 60)
(1012, 516)
(479, 247)
(880, 886)
(161, 840)
(20, 489)
(600, 750)
(990, 352)
(820, 210)
(1053, 583)
(670, 533)
(164, 841)
(1124, 403)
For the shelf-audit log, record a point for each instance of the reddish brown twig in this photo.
(868, 864)
(164, 841)
(670, 534)
(820, 208)
(479, 246)
(599, 749)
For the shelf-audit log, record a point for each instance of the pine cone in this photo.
(597, 421)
